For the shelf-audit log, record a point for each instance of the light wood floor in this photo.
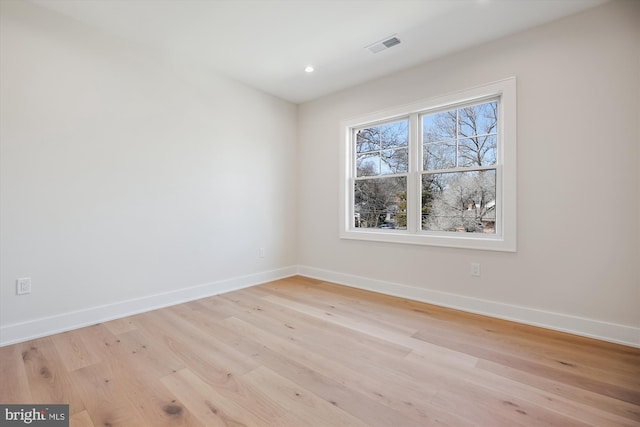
(299, 352)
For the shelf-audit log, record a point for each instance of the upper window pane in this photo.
(460, 138)
(367, 140)
(440, 155)
(368, 164)
(439, 127)
(477, 120)
(394, 161)
(477, 151)
(383, 149)
(395, 134)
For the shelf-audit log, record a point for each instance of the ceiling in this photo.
(267, 43)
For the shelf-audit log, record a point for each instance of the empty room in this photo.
(392, 213)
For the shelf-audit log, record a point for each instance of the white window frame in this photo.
(504, 239)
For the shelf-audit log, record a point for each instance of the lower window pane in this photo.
(380, 203)
(459, 202)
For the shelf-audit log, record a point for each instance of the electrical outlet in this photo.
(23, 286)
(261, 252)
(475, 269)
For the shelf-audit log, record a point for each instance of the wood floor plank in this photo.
(534, 349)
(561, 391)
(216, 308)
(14, 384)
(81, 419)
(157, 405)
(49, 382)
(104, 396)
(523, 399)
(566, 371)
(310, 409)
(148, 354)
(74, 352)
(303, 352)
(280, 317)
(376, 396)
(119, 326)
(234, 406)
(518, 339)
(443, 354)
(357, 309)
(187, 335)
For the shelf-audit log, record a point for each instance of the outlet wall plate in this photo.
(23, 286)
(475, 269)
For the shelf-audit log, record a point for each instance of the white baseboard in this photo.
(24, 331)
(619, 334)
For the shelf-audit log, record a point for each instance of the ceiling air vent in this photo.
(384, 44)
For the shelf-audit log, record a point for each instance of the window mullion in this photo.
(413, 186)
(457, 139)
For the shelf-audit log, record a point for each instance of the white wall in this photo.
(578, 186)
(128, 180)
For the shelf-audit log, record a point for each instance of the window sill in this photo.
(451, 240)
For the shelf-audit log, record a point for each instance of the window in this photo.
(380, 185)
(437, 172)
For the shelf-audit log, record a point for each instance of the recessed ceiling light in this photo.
(308, 69)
